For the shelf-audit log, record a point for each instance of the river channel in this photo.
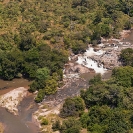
(23, 122)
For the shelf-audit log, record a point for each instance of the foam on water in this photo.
(88, 62)
(90, 52)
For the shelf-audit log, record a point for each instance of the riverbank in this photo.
(77, 72)
(1, 128)
(21, 123)
(76, 77)
(11, 99)
(25, 107)
(6, 86)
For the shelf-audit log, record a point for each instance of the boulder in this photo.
(72, 68)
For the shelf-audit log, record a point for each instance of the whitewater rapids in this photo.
(86, 60)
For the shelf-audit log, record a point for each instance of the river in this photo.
(23, 123)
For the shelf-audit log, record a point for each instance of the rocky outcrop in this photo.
(109, 59)
(72, 68)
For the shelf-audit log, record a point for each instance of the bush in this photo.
(72, 107)
(56, 126)
(44, 121)
(40, 96)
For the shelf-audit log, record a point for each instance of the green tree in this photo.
(40, 96)
(70, 126)
(51, 86)
(72, 107)
(42, 73)
(123, 76)
(126, 56)
(27, 42)
(96, 80)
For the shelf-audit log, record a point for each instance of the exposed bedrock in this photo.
(71, 68)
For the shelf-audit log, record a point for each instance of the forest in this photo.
(36, 37)
(105, 107)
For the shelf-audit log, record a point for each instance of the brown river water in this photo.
(23, 123)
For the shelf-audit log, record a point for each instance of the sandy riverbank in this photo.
(1, 128)
(11, 99)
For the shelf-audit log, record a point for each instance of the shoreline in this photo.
(11, 100)
(2, 127)
(25, 93)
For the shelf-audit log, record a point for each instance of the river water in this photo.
(88, 62)
(23, 123)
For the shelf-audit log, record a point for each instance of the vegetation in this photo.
(70, 125)
(96, 80)
(72, 107)
(108, 104)
(44, 121)
(41, 33)
(123, 76)
(35, 39)
(126, 57)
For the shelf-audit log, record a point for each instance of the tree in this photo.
(10, 65)
(70, 126)
(123, 76)
(96, 80)
(51, 86)
(72, 107)
(126, 56)
(103, 119)
(102, 94)
(79, 47)
(40, 96)
(27, 42)
(42, 73)
(56, 126)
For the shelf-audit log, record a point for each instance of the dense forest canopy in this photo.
(36, 36)
(61, 24)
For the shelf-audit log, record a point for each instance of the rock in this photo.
(72, 68)
(97, 49)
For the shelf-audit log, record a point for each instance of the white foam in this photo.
(88, 62)
(90, 52)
